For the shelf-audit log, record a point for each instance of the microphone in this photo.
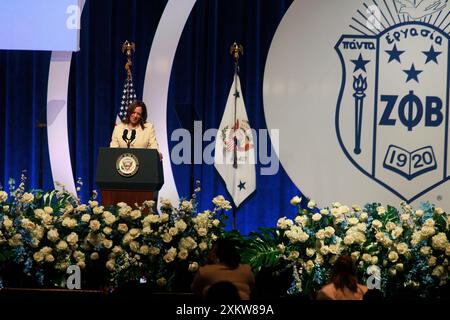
(124, 135)
(133, 135)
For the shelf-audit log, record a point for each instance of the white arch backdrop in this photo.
(156, 88)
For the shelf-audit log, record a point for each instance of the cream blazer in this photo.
(145, 138)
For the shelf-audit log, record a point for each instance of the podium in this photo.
(128, 175)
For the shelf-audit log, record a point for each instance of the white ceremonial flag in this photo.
(234, 156)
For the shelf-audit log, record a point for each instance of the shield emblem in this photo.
(392, 111)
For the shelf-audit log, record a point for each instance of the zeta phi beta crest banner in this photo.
(361, 99)
(392, 114)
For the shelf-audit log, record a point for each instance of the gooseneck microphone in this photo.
(124, 135)
(133, 135)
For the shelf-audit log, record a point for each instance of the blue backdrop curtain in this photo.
(200, 81)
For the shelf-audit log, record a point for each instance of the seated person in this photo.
(343, 282)
(225, 266)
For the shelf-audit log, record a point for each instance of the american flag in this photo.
(128, 96)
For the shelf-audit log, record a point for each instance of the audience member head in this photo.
(344, 274)
(136, 114)
(227, 253)
(222, 291)
(373, 294)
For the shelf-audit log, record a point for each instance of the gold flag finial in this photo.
(236, 50)
(127, 48)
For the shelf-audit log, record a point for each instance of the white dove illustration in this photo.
(417, 9)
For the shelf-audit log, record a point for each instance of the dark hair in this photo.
(344, 274)
(227, 253)
(373, 294)
(222, 291)
(130, 110)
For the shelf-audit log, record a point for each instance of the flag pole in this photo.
(235, 51)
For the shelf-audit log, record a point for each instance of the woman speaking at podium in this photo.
(134, 131)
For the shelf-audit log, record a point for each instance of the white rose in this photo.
(377, 224)
(319, 259)
(94, 256)
(181, 225)
(203, 246)
(72, 239)
(310, 252)
(144, 250)
(107, 243)
(353, 221)
(93, 203)
(48, 210)
(324, 212)
(293, 255)
(193, 266)
(154, 251)
(374, 260)
(186, 205)
(311, 204)
(397, 232)
(110, 265)
(109, 218)
(419, 213)
(62, 245)
(316, 217)
(390, 226)
(349, 239)
(432, 261)
(216, 222)
(366, 257)
(38, 256)
(381, 210)
(166, 237)
(295, 201)
(53, 235)
(429, 222)
(3, 196)
(309, 265)
(164, 217)
(7, 222)
(94, 225)
(439, 272)
(161, 282)
(439, 211)
(202, 232)
(363, 216)
(320, 234)
(402, 248)
(393, 256)
(329, 232)
(281, 248)
(324, 250)
(135, 214)
(426, 251)
(27, 198)
(81, 208)
(107, 230)
(85, 217)
(122, 227)
(355, 255)
(134, 246)
(399, 267)
(183, 254)
(98, 210)
(173, 231)
(404, 217)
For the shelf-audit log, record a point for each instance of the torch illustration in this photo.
(360, 86)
